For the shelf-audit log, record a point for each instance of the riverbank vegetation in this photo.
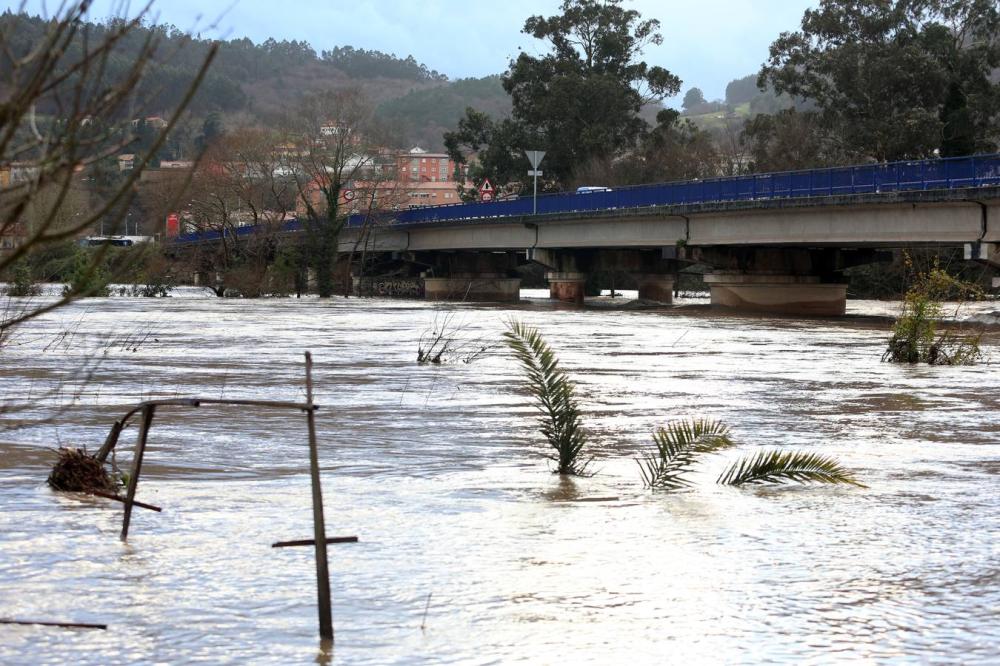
(918, 335)
(140, 270)
(61, 175)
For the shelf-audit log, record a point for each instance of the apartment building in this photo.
(420, 166)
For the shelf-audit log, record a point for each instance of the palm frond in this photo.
(555, 396)
(779, 466)
(679, 446)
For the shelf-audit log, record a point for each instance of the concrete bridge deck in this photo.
(777, 242)
(931, 217)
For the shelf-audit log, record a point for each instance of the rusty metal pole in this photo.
(133, 480)
(319, 524)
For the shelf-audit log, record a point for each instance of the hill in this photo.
(744, 100)
(257, 83)
(425, 114)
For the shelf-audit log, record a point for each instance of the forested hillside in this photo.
(252, 83)
(426, 114)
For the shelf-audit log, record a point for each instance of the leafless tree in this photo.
(243, 193)
(85, 125)
(734, 157)
(340, 167)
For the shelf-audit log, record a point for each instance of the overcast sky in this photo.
(706, 42)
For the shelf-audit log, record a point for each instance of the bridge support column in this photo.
(568, 287)
(473, 288)
(783, 294)
(655, 286)
(984, 253)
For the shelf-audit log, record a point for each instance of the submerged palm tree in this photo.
(681, 445)
(554, 394)
(678, 447)
(777, 466)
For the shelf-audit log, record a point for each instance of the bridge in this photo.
(776, 242)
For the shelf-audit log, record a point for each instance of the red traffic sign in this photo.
(348, 195)
(486, 196)
(485, 187)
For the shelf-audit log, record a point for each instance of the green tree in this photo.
(882, 72)
(957, 123)
(676, 149)
(694, 100)
(89, 276)
(581, 100)
(742, 90)
(787, 141)
(497, 145)
(211, 130)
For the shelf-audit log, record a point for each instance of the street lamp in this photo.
(535, 157)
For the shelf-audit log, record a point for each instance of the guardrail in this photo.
(946, 173)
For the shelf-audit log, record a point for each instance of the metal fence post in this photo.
(147, 420)
(319, 523)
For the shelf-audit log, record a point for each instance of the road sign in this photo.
(535, 157)
(486, 191)
(348, 195)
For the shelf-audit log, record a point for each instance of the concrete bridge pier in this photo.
(473, 277)
(566, 274)
(655, 286)
(798, 281)
(780, 294)
(566, 286)
(477, 288)
(568, 271)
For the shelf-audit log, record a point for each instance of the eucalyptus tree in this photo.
(579, 101)
(895, 79)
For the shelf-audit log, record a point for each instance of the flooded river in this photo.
(441, 474)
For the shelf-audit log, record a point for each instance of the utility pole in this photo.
(535, 157)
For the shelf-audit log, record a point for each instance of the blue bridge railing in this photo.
(947, 173)
(935, 174)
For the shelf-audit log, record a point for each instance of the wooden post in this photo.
(133, 480)
(110, 442)
(319, 524)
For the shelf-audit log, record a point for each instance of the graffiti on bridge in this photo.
(391, 287)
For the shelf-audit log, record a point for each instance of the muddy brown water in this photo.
(439, 471)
